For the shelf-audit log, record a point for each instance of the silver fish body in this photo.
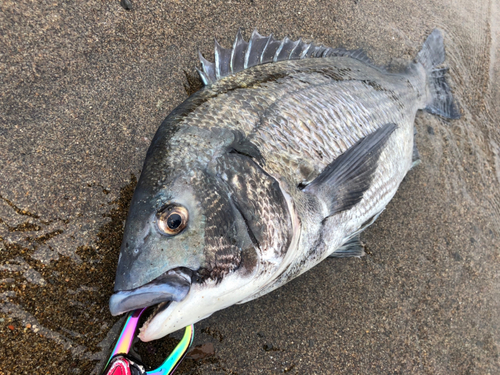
(281, 160)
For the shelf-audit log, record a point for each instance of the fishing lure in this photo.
(121, 363)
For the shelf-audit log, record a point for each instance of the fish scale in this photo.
(281, 160)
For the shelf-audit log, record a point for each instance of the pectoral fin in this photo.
(343, 182)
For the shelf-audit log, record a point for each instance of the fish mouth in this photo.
(172, 285)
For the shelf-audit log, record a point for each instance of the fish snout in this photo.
(172, 285)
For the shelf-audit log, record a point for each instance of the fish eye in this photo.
(172, 219)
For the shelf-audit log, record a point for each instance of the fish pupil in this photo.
(174, 221)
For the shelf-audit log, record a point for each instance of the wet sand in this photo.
(84, 87)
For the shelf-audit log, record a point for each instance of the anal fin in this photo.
(415, 159)
(352, 248)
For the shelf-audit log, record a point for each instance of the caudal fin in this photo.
(431, 56)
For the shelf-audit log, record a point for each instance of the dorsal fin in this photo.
(262, 50)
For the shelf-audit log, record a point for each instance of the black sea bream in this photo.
(281, 160)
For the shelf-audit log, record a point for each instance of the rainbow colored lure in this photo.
(120, 363)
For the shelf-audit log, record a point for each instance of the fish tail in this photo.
(430, 56)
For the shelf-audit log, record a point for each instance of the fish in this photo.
(288, 152)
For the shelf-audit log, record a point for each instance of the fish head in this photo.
(196, 244)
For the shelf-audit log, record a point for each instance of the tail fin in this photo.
(431, 56)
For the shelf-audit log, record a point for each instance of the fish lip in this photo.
(172, 285)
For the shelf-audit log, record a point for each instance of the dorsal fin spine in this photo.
(265, 48)
(304, 52)
(238, 53)
(251, 46)
(220, 58)
(217, 60)
(235, 45)
(285, 39)
(208, 68)
(203, 76)
(297, 44)
(247, 54)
